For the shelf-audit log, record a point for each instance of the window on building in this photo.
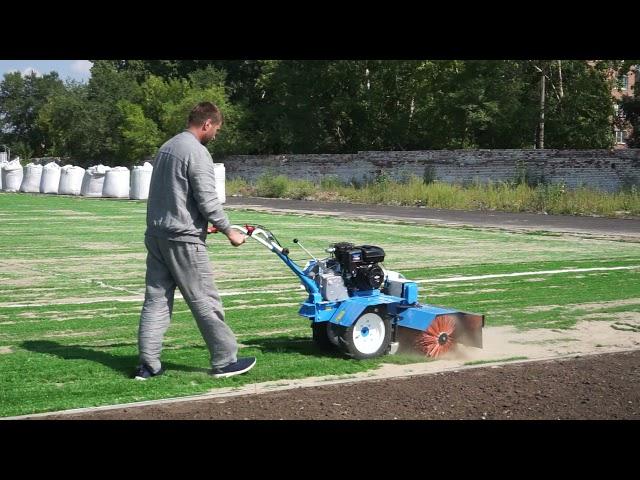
(620, 136)
(623, 82)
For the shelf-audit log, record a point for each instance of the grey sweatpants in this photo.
(187, 266)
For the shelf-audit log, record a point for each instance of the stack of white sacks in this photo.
(93, 181)
(3, 162)
(31, 177)
(12, 176)
(141, 181)
(71, 178)
(50, 180)
(219, 173)
(96, 181)
(116, 183)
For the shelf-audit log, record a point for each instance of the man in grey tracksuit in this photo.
(182, 201)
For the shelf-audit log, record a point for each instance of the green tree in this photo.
(84, 120)
(130, 107)
(158, 95)
(582, 116)
(106, 88)
(310, 106)
(141, 136)
(65, 121)
(21, 99)
(166, 104)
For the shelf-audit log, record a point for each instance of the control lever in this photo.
(295, 240)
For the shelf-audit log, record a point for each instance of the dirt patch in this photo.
(5, 350)
(13, 265)
(25, 281)
(584, 306)
(586, 337)
(594, 387)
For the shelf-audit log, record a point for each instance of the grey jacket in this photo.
(182, 195)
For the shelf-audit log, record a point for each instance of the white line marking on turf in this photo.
(135, 300)
(523, 274)
(223, 293)
(111, 287)
(284, 290)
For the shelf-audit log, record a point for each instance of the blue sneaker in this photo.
(243, 365)
(143, 372)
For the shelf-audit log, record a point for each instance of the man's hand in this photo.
(235, 237)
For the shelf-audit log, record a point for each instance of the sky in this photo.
(67, 69)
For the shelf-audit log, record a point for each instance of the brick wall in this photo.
(603, 169)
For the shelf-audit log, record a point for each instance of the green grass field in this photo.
(72, 285)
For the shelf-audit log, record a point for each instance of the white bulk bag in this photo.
(93, 181)
(3, 162)
(70, 180)
(219, 173)
(50, 180)
(12, 176)
(116, 183)
(140, 181)
(31, 178)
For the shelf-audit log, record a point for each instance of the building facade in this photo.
(626, 85)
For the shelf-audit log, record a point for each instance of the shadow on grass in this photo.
(301, 346)
(123, 364)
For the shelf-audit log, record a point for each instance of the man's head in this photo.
(204, 121)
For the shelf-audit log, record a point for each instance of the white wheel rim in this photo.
(368, 333)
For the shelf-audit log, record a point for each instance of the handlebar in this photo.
(260, 235)
(267, 239)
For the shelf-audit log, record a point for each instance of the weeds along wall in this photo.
(607, 170)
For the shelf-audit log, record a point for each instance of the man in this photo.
(182, 200)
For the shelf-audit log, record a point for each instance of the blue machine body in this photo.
(405, 310)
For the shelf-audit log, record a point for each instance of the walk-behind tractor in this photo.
(356, 305)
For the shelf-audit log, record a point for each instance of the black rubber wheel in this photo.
(333, 332)
(323, 335)
(368, 337)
